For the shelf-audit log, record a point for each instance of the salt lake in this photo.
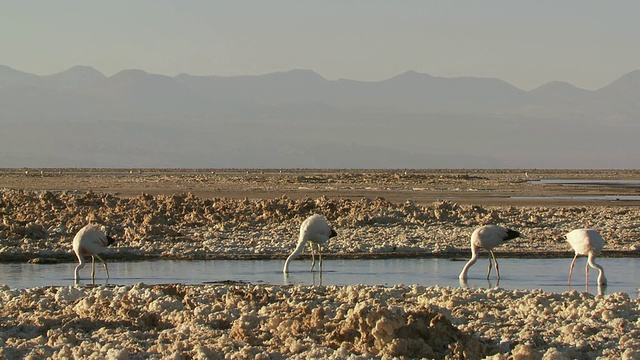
(549, 275)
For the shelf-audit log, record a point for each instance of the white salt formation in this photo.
(272, 322)
(351, 322)
(42, 224)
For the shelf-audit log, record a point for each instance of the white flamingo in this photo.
(586, 242)
(315, 230)
(90, 240)
(488, 237)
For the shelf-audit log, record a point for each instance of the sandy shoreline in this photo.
(238, 214)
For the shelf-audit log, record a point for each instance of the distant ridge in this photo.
(298, 118)
(407, 92)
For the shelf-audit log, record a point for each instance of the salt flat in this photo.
(201, 214)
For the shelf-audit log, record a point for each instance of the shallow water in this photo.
(583, 182)
(547, 274)
(584, 198)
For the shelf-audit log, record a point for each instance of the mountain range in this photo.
(298, 119)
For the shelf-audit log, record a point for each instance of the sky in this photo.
(588, 43)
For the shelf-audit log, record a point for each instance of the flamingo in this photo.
(90, 240)
(315, 230)
(488, 237)
(586, 242)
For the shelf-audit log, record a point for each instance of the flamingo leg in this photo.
(320, 256)
(93, 267)
(586, 271)
(313, 258)
(573, 262)
(495, 262)
(489, 269)
(106, 269)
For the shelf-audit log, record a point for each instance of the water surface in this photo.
(581, 197)
(547, 274)
(586, 182)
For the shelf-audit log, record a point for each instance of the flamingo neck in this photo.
(602, 280)
(76, 273)
(474, 258)
(301, 243)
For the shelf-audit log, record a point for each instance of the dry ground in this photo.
(203, 213)
(481, 187)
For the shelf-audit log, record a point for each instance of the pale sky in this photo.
(588, 43)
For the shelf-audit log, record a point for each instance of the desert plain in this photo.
(241, 214)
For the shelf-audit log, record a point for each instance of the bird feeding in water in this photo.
(317, 232)
(488, 237)
(90, 240)
(586, 242)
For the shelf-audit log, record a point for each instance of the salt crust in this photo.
(261, 322)
(300, 322)
(42, 223)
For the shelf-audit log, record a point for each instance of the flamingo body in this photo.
(488, 237)
(90, 240)
(586, 242)
(316, 231)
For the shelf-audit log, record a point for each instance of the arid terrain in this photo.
(194, 213)
(479, 187)
(209, 214)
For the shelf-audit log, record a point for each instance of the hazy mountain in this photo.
(11, 77)
(628, 84)
(75, 77)
(620, 98)
(137, 94)
(79, 117)
(558, 92)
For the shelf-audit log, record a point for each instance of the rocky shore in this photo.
(300, 322)
(41, 224)
(273, 322)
